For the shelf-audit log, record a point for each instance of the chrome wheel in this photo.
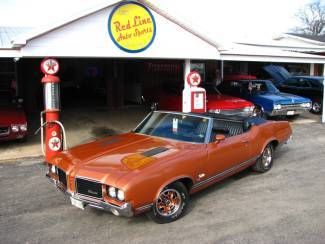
(316, 107)
(168, 202)
(267, 157)
(265, 161)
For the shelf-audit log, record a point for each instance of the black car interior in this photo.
(233, 127)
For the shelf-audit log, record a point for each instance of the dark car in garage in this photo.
(13, 122)
(306, 86)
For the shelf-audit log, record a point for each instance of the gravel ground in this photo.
(284, 205)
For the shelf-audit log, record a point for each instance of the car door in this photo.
(225, 155)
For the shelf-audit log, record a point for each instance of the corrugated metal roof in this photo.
(242, 52)
(8, 33)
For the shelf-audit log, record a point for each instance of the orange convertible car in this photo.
(169, 156)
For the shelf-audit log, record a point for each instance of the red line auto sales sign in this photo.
(132, 27)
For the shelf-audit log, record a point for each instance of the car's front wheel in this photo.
(258, 112)
(170, 204)
(265, 161)
(316, 107)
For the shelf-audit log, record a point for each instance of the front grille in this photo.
(89, 188)
(238, 111)
(4, 131)
(62, 177)
(291, 106)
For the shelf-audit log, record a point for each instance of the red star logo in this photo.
(55, 144)
(195, 79)
(51, 65)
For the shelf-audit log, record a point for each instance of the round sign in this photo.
(50, 66)
(55, 144)
(193, 78)
(132, 27)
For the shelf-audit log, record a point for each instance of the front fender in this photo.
(170, 181)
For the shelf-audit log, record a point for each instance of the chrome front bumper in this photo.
(288, 111)
(239, 112)
(124, 210)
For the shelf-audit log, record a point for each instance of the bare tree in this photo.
(312, 18)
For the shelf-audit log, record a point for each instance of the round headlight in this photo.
(306, 105)
(23, 127)
(120, 195)
(277, 106)
(112, 191)
(14, 128)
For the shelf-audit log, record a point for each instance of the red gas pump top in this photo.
(50, 66)
(193, 78)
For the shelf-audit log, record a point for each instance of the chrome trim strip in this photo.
(142, 121)
(183, 113)
(85, 178)
(5, 131)
(208, 131)
(144, 207)
(212, 178)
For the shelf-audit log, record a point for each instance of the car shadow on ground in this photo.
(103, 131)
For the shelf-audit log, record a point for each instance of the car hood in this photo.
(283, 98)
(12, 116)
(109, 159)
(216, 101)
(278, 73)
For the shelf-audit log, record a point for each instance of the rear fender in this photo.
(272, 139)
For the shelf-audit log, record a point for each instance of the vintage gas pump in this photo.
(194, 97)
(54, 130)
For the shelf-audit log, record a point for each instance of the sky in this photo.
(220, 19)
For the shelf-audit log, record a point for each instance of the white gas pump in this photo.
(194, 97)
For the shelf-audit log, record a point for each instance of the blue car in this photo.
(306, 86)
(268, 100)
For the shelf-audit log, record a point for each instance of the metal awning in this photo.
(239, 52)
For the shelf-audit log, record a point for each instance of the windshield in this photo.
(259, 87)
(179, 127)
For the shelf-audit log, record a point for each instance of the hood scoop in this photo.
(155, 151)
(138, 160)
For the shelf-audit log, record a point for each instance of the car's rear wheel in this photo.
(316, 107)
(170, 204)
(265, 161)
